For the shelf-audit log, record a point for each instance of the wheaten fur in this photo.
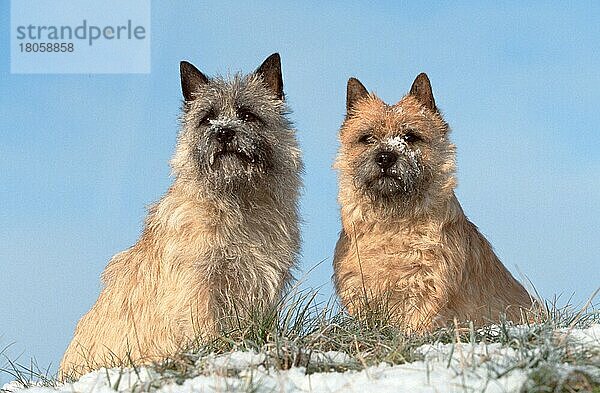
(411, 249)
(220, 244)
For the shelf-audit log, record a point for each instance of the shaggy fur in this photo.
(406, 246)
(220, 244)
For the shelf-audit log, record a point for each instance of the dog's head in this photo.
(235, 132)
(398, 156)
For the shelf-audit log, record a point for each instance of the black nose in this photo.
(224, 135)
(385, 159)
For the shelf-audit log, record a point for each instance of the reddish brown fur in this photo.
(421, 258)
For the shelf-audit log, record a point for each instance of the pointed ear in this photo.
(191, 78)
(354, 92)
(421, 90)
(270, 71)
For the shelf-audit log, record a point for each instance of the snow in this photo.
(459, 367)
(583, 337)
(399, 143)
(396, 142)
(234, 360)
(330, 357)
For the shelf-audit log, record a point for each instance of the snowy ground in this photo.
(458, 367)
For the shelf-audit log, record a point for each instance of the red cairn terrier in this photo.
(406, 246)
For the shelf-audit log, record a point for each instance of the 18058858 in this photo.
(47, 47)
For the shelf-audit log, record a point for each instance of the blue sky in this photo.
(81, 156)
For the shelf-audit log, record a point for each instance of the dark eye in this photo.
(247, 116)
(411, 137)
(205, 120)
(367, 139)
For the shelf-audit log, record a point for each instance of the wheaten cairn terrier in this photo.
(406, 249)
(222, 241)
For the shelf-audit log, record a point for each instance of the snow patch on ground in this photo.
(234, 360)
(462, 367)
(589, 337)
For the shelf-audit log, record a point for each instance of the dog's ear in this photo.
(270, 71)
(191, 78)
(354, 92)
(421, 90)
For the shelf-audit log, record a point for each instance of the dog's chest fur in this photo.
(426, 273)
(199, 264)
(385, 256)
(227, 246)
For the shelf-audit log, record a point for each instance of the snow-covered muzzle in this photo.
(390, 169)
(230, 150)
(235, 135)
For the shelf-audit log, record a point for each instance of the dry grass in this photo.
(299, 331)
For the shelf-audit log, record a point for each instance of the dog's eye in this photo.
(411, 137)
(367, 139)
(247, 116)
(205, 120)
